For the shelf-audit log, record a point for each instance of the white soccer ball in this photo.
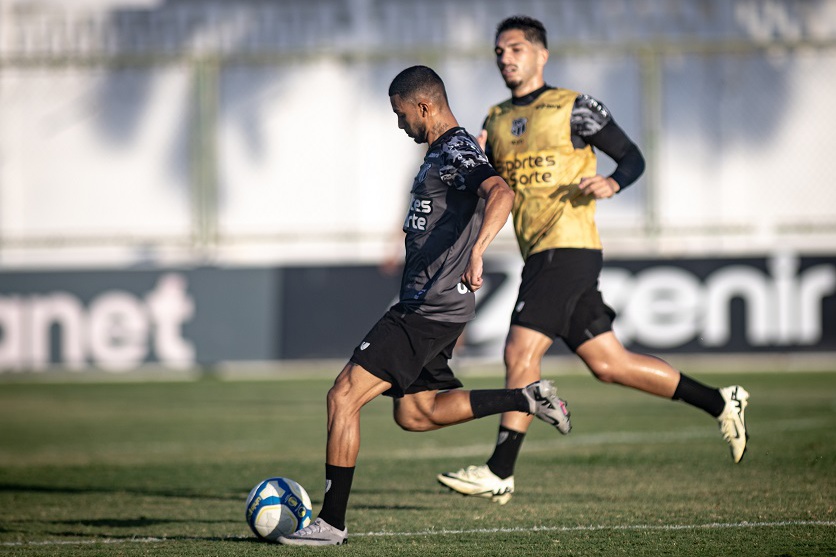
(277, 507)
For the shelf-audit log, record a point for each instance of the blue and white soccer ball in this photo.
(277, 507)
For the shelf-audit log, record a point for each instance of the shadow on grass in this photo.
(391, 507)
(67, 490)
(140, 522)
(109, 538)
(75, 537)
(388, 490)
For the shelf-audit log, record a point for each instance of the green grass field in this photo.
(163, 468)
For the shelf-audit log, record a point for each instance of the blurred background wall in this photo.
(204, 137)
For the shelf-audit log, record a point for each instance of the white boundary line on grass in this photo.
(447, 532)
(616, 528)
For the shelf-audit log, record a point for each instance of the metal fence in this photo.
(259, 132)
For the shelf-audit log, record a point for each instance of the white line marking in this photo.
(602, 527)
(446, 532)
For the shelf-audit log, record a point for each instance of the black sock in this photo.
(696, 394)
(337, 488)
(496, 401)
(504, 456)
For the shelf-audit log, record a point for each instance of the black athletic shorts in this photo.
(559, 296)
(411, 352)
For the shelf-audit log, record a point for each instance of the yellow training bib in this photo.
(532, 149)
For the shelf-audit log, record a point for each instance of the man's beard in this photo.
(418, 135)
(512, 82)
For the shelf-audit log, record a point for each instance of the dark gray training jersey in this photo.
(444, 218)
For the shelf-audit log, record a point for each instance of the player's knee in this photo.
(603, 371)
(521, 367)
(333, 398)
(517, 358)
(413, 421)
(339, 397)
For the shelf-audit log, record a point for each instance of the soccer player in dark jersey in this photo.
(543, 141)
(458, 205)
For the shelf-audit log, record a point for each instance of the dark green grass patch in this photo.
(163, 469)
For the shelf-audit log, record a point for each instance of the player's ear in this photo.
(424, 107)
(544, 56)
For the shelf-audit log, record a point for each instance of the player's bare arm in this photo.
(482, 139)
(599, 187)
(499, 201)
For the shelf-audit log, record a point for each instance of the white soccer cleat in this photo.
(479, 481)
(545, 404)
(316, 533)
(732, 424)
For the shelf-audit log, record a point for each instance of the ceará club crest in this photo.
(518, 126)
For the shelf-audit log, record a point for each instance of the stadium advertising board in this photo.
(782, 302)
(118, 320)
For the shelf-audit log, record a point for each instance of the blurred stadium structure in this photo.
(151, 134)
(233, 132)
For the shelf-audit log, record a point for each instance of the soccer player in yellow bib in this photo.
(542, 141)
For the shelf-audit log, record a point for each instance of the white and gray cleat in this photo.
(546, 405)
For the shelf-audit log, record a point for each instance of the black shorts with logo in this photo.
(559, 296)
(411, 352)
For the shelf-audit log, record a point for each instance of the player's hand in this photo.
(482, 139)
(599, 187)
(472, 277)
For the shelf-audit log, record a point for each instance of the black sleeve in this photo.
(612, 141)
(479, 175)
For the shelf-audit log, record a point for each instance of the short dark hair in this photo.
(533, 29)
(418, 79)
